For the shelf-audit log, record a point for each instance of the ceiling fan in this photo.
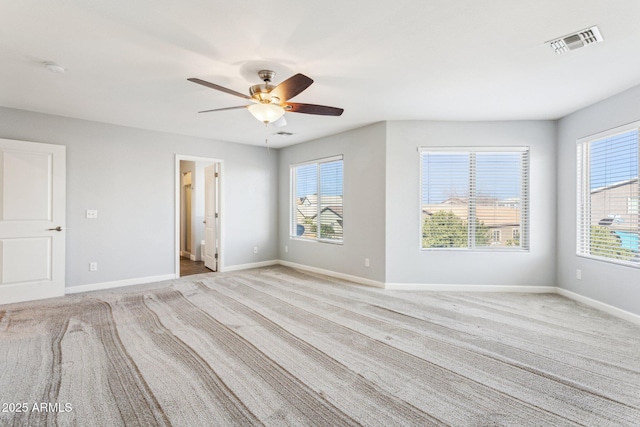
(271, 102)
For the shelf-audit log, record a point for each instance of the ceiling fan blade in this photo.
(220, 88)
(321, 110)
(291, 87)
(223, 109)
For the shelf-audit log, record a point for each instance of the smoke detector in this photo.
(576, 40)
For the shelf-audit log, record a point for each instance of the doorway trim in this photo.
(177, 186)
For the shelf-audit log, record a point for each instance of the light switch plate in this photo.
(92, 213)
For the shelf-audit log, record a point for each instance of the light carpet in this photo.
(277, 346)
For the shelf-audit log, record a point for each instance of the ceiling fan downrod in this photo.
(261, 92)
(266, 75)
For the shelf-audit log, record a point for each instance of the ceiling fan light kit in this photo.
(266, 113)
(271, 102)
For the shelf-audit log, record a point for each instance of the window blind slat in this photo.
(608, 194)
(317, 200)
(331, 200)
(473, 198)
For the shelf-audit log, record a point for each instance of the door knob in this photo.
(58, 228)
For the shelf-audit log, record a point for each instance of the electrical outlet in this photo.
(366, 262)
(92, 213)
(93, 266)
(579, 274)
(255, 249)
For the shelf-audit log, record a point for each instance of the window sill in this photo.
(308, 239)
(483, 250)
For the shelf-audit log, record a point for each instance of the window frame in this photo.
(583, 204)
(525, 173)
(293, 199)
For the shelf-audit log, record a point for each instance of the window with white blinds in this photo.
(474, 198)
(608, 194)
(317, 200)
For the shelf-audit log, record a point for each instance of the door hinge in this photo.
(216, 214)
(216, 175)
(215, 256)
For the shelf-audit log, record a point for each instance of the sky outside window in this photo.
(498, 175)
(614, 159)
(331, 179)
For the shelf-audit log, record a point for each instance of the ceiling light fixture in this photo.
(54, 68)
(576, 40)
(266, 113)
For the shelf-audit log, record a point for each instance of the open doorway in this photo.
(198, 215)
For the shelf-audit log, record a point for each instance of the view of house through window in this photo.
(316, 202)
(474, 198)
(608, 224)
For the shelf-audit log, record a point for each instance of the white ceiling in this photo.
(128, 61)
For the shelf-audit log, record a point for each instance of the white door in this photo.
(211, 217)
(32, 220)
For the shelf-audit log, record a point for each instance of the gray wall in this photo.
(608, 283)
(364, 204)
(406, 263)
(128, 175)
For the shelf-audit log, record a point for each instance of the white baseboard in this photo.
(469, 288)
(614, 311)
(118, 284)
(247, 266)
(356, 279)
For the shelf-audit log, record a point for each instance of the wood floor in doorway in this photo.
(188, 267)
